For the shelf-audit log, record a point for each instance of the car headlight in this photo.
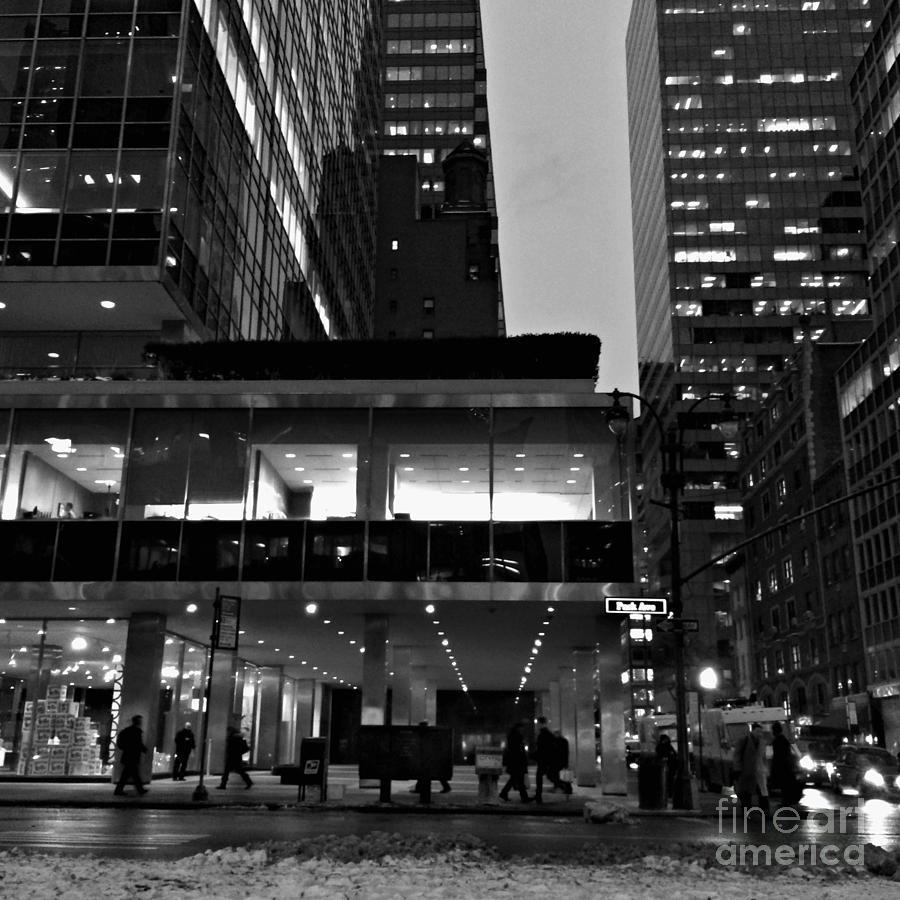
(874, 777)
(897, 782)
(829, 769)
(807, 763)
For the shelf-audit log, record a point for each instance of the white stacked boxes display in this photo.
(63, 741)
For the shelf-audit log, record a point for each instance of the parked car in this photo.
(867, 771)
(817, 760)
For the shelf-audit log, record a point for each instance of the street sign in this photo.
(682, 625)
(227, 622)
(647, 606)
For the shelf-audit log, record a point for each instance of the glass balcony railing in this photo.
(305, 550)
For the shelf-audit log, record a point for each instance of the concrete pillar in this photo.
(431, 701)
(374, 686)
(401, 686)
(267, 734)
(418, 709)
(305, 711)
(144, 648)
(553, 711)
(585, 761)
(566, 719)
(611, 691)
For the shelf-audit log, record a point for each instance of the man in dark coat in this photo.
(184, 746)
(130, 742)
(235, 748)
(547, 755)
(783, 772)
(515, 760)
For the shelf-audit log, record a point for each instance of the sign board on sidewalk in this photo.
(645, 606)
(228, 622)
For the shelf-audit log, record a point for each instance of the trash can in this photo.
(651, 783)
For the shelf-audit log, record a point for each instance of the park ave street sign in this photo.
(646, 606)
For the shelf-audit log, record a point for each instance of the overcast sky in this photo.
(557, 106)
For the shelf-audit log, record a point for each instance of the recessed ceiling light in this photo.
(463, 468)
(53, 355)
(108, 304)
(290, 455)
(2, 305)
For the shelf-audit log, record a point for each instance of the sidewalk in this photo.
(344, 792)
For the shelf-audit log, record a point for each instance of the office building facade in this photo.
(869, 383)
(748, 231)
(202, 168)
(431, 541)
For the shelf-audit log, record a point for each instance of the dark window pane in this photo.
(41, 181)
(104, 68)
(459, 551)
(142, 181)
(11, 110)
(153, 67)
(148, 109)
(149, 551)
(30, 253)
(598, 551)
(63, 6)
(137, 225)
(40, 225)
(112, 6)
(272, 552)
(61, 26)
(15, 59)
(334, 551)
(108, 26)
(397, 551)
(26, 550)
(102, 109)
(157, 26)
(45, 137)
(134, 253)
(146, 136)
(528, 551)
(209, 552)
(9, 140)
(16, 26)
(86, 225)
(159, 5)
(49, 111)
(55, 68)
(85, 552)
(96, 136)
(82, 253)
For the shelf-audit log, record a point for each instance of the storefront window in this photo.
(181, 690)
(65, 464)
(307, 464)
(430, 464)
(60, 686)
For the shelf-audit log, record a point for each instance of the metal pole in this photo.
(200, 792)
(682, 794)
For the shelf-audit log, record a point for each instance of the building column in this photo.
(267, 734)
(374, 686)
(552, 710)
(419, 703)
(585, 739)
(144, 649)
(566, 688)
(614, 771)
(431, 701)
(401, 686)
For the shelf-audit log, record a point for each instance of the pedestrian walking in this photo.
(783, 775)
(184, 746)
(130, 742)
(547, 756)
(235, 748)
(750, 768)
(515, 761)
(667, 757)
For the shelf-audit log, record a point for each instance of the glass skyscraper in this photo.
(207, 166)
(748, 232)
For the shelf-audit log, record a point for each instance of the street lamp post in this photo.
(708, 680)
(672, 480)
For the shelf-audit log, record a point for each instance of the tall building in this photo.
(802, 619)
(869, 383)
(441, 280)
(203, 168)
(748, 232)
